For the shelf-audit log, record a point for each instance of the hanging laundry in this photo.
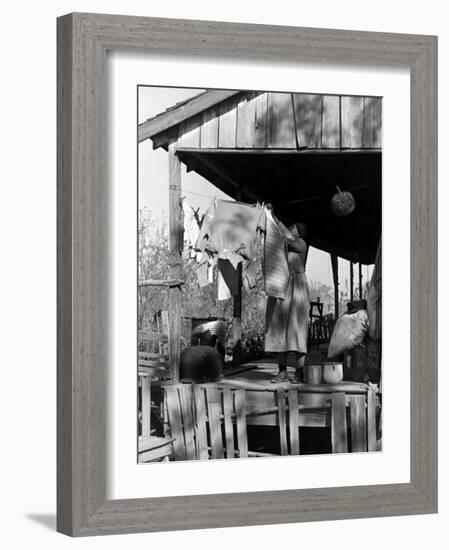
(223, 290)
(210, 273)
(202, 274)
(192, 224)
(249, 274)
(229, 232)
(205, 269)
(229, 274)
(276, 268)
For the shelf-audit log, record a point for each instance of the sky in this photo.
(198, 192)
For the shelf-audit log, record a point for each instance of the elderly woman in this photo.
(287, 320)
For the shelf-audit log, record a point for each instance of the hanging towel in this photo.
(276, 268)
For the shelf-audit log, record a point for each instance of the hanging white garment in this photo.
(191, 230)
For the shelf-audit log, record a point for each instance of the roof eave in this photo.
(168, 119)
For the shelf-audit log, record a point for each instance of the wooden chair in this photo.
(154, 358)
(346, 412)
(153, 365)
(207, 421)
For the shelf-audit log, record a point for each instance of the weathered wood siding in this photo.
(254, 120)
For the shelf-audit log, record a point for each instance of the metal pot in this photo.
(333, 373)
(314, 374)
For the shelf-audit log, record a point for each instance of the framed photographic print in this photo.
(246, 274)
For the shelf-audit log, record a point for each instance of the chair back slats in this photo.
(199, 397)
(228, 411)
(358, 423)
(153, 348)
(371, 420)
(293, 421)
(214, 416)
(175, 420)
(240, 413)
(282, 415)
(338, 423)
(185, 398)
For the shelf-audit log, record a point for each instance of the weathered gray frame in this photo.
(83, 40)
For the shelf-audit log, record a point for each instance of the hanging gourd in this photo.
(342, 203)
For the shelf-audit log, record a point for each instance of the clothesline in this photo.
(221, 199)
(327, 194)
(199, 194)
(290, 202)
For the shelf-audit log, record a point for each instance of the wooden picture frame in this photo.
(83, 40)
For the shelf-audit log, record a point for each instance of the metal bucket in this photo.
(333, 373)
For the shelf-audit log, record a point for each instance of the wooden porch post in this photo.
(175, 251)
(237, 321)
(360, 281)
(237, 313)
(351, 280)
(334, 262)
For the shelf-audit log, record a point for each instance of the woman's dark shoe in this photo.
(281, 377)
(298, 378)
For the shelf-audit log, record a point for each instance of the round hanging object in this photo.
(342, 203)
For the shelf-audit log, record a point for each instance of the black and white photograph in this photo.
(259, 274)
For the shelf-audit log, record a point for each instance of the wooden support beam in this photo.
(360, 281)
(351, 280)
(237, 322)
(175, 251)
(161, 282)
(237, 314)
(334, 262)
(278, 151)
